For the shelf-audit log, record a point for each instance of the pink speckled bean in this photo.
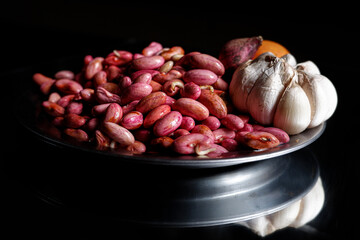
(187, 123)
(172, 87)
(200, 76)
(281, 135)
(136, 148)
(143, 78)
(152, 62)
(232, 122)
(74, 107)
(205, 61)
(168, 124)
(68, 86)
(192, 108)
(132, 120)
(260, 140)
(135, 91)
(212, 122)
(203, 129)
(77, 134)
(118, 133)
(104, 96)
(186, 144)
(65, 74)
(93, 67)
(151, 101)
(156, 114)
(223, 133)
(230, 144)
(191, 90)
(152, 49)
(113, 113)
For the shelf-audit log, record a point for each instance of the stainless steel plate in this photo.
(27, 109)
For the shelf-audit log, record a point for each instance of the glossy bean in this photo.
(136, 148)
(156, 114)
(223, 133)
(130, 106)
(68, 86)
(152, 49)
(77, 134)
(72, 120)
(54, 97)
(118, 58)
(136, 74)
(188, 123)
(87, 94)
(281, 135)
(118, 133)
(65, 74)
(100, 78)
(99, 109)
(53, 109)
(152, 62)
(113, 113)
(166, 67)
(232, 122)
(143, 78)
(188, 143)
(132, 120)
(135, 91)
(221, 84)
(176, 50)
(211, 150)
(142, 135)
(205, 61)
(200, 76)
(74, 107)
(191, 90)
(168, 124)
(213, 103)
(260, 140)
(151, 101)
(93, 67)
(230, 144)
(212, 122)
(203, 129)
(192, 108)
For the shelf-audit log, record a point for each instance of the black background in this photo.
(33, 32)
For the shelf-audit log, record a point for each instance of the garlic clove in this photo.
(293, 112)
(244, 78)
(289, 59)
(268, 89)
(309, 67)
(331, 96)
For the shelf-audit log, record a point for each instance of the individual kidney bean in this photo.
(156, 114)
(99, 109)
(91, 125)
(185, 60)
(99, 78)
(65, 74)
(113, 113)
(190, 90)
(72, 120)
(213, 103)
(77, 134)
(93, 67)
(223, 133)
(152, 49)
(118, 133)
(281, 135)
(200, 76)
(232, 122)
(135, 91)
(143, 78)
(168, 54)
(166, 67)
(205, 61)
(39, 78)
(168, 124)
(102, 141)
(247, 128)
(54, 97)
(152, 62)
(179, 132)
(151, 101)
(186, 144)
(87, 94)
(65, 100)
(74, 107)
(212, 122)
(203, 129)
(53, 109)
(172, 87)
(132, 120)
(258, 140)
(58, 121)
(118, 58)
(211, 150)
(187, 123)
(113, 72)
(68, 86)
(46, 87)
(136, 148)
(124, 82)
(155, 86)
(192, 108)
(104, 96)
(230, 144)
(111, 87)
(169, 100)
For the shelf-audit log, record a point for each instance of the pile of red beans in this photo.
(156, 100)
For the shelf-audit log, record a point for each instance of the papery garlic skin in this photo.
(276, 91)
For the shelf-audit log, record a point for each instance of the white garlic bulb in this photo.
(278, 91)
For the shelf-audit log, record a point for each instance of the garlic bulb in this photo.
(278, 91)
